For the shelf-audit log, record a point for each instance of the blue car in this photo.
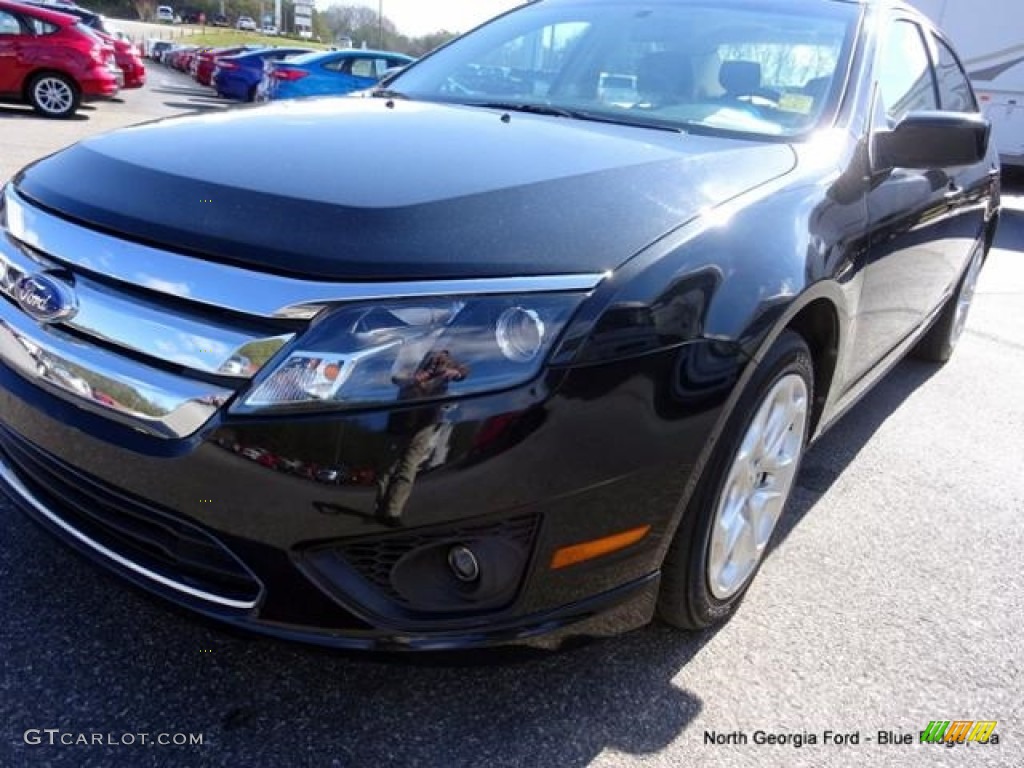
(327, 73)
(237, 77)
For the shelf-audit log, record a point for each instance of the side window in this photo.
(335, 65)
(367, 67)
(955, 92)
(40, 27)
(905, 74)
(9, 24)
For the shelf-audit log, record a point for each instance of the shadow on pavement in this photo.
(832, 453)
(97, 658)
(28, 113)
(185, 90)
(195, 105)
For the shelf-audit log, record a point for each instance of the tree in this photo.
(360, 24)
(145, 8)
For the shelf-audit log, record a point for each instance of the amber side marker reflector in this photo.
(588, 550)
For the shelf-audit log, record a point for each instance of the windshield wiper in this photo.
(387, 93)
(575, 114)
(518, 106)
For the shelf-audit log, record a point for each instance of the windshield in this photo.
(727, 66)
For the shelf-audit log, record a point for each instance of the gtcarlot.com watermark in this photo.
(56, 736)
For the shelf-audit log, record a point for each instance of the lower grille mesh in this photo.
(142, 534)
(375, 557)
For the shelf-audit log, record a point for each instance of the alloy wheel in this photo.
(53, 95)
(757, 486)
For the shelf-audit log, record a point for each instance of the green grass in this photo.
(216, 37)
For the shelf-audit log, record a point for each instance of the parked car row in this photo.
(325, 73)
(54, 59)
(259, 73)
(238, 76)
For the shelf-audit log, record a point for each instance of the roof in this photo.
(46, 13)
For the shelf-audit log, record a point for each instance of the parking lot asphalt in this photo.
(894, 597)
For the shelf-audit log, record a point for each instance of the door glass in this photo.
(905, 75)
(8, 24)
(373, 68)
(40, 27)
(954, 88)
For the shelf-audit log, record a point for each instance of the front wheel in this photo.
(53, 95)
(729, 522)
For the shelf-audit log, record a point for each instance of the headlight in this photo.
(410, 351)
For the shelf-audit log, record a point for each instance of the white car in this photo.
(269, 29)
(165, 14)
(246, 22)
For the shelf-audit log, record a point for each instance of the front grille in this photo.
(375, 557)
(151, 538)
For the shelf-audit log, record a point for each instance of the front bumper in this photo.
(216, 525)
(612, 612)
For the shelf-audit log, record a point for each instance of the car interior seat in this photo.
(742, 81)
(665, 78)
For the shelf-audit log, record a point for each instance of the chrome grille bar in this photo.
(142, 397)
(145, 327)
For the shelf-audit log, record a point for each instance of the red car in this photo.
(182, 57)
(128, 59)
(51, 61)
(127, 56)
(206, 62)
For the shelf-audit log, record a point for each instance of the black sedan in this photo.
(528, 342)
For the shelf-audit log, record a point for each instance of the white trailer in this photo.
(989, 36)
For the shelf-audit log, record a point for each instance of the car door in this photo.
(12, 42)
(970, 186)
(916, 244)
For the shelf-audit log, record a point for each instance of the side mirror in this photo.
(929, 140)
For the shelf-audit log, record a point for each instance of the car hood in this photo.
(363, 189)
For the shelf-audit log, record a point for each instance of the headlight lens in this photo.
(416, 350)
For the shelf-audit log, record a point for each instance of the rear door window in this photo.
(368, 67)
(41, 28)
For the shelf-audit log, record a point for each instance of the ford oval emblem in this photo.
(45, 298)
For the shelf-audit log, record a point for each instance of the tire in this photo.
(54, 95)
(703, 578)
(251, 96)
(938, 343)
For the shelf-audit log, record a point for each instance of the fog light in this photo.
(463, 563)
